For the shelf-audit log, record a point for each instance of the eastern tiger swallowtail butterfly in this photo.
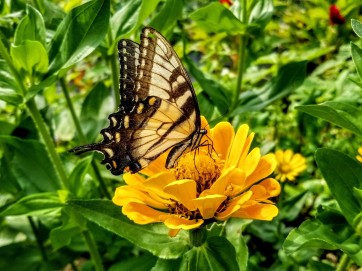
(158, 109)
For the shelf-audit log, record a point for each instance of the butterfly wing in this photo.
(158, 108)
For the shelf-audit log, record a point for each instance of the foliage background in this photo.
(271, 65)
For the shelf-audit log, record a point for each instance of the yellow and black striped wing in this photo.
(158, 109)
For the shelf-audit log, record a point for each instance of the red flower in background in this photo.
(227, 2)
(335, 17)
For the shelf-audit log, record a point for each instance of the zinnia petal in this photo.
(143, 214)
(184, 191)
(175, 222)
(259, 211)
(208, 205)
(222, 135)
(265, 167)
(234, 205)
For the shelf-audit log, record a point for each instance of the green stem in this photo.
(83, 138)
(48, 141)
(197, 236)
(242, 56)
(115, 72)
(343, 263)
(37, 238)
(38, 120)
(92, 247)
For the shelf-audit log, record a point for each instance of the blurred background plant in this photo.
(287, 68)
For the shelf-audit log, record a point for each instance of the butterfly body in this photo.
(158, 109)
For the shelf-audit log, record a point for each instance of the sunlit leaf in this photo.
(215, 18)
(342, 114)
(30, 56)
(357, 58)
(35, 204)
(153, 238)
(31, 27)
(342, 174)
(357, 27)
(81, 31)
(330, 232)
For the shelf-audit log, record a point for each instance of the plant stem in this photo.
(343, 263)
(48, 141)
(38, 120)
(92, 246)
(115, 71)
(242, 56)
(83, 138)
(37, 238)
(197, 236)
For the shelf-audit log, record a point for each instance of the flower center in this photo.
(284, 168)
(200, 166)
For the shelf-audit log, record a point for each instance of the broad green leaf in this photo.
(216, 18)
(357, 58)
(30, 56)
(143, 262)
(126, 20)
(261, 12)
(215, 254)
(166, 19)
(9, 90)
(293, 206)
(207, 108)
(35, 204)
(330, 232)
(153, 238)
(94, 109)
(342, 174)
(234, 230)
(212, 89)
(357, 27)
(46, 82)
(10, 96)
(21, 256)
(167, 265)
(30, 164)
(342, 114)
(289, 78)
(81, 31)
(31, 27)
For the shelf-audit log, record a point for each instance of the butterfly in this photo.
(158, 109)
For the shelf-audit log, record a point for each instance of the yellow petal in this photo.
(237, 146)
(158, 182)
(258, 211)
(359, 158)
(175, 222)
(184, 191)
(156, 166)
(209, 204)
(222, 135)
(143, 214)
(266, 166)
(173, 232)
(133, 179)
(234, 205)
(251, 161)
(125, 194)
(219, 186)
(271, 186)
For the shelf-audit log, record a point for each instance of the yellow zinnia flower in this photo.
(289, 166)
(204, 185)
(359, 157)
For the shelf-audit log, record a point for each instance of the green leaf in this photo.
(10, 96)
(31, 27)
(357, 27)
(215, 254)
(342, 114)
(153, 238)
(212, 89)
(143, 262)
(342, 174)
(293, 206)
(216, 18)
(35, 204)
(167, 265)
(81, 31)
(166, 19)
(9, 90)
(329, 232)
(126, 20)
(30, 56)
(30, 164)
(207, 108)
(261, 12)
(357, 58)
(289, 78)
(46, 82)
